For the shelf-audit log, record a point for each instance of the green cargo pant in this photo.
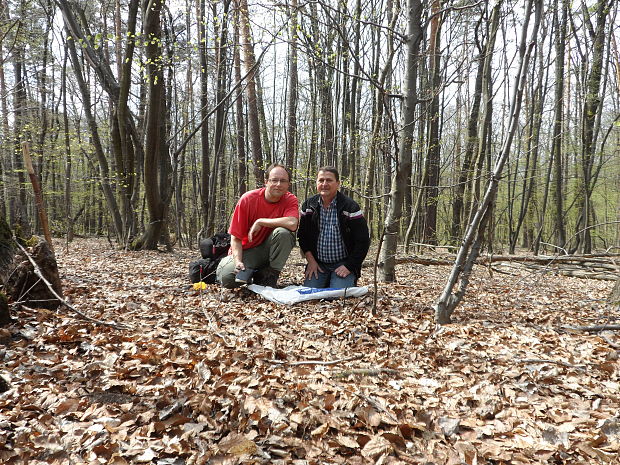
(273, 252)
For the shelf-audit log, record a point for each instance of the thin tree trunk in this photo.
(558, 124)
(67, 141)
(18, 214)
(405, 149)
(104, 169)
(532, 143)
(469, 250)
(589, 118)
(292, 89)
(431, 179)
(240, 122)
(5, 143)
(124, 151)
(252, 102)
(205, 176)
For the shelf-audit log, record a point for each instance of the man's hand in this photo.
(313, 269)
(239, 266)
(342, 271)
(256, 227)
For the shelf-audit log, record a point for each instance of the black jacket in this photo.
(353, 229)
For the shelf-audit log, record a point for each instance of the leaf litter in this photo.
(222, 377)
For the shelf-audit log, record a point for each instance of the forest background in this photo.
(493, 121)
(482, 126)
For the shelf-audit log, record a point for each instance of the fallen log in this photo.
(603, 260)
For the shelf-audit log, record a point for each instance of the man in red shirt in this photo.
(262, 232)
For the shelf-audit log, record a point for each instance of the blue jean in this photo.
(329, 279)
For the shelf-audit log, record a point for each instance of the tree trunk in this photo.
(104, 169)
(239, 120)
(292, 89)
(528, 187)
(405, 149)
(18, 201)
(589, 121)
(469, 250)
(354, 125)
(431, 179)
(558, 124)
(205, 173)
(323, 75)
(121, 136)
(67, 142)
(471, 143)
(5, 143)
(156, 160)
(252, 103)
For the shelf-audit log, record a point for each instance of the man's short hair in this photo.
(330, 169)
(278, 165)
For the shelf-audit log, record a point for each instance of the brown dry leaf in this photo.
(347, 441)
(502, 379)
(321, 430)
(376, 447)
(238, 445)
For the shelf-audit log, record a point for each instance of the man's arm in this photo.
(288, 222)
(237, 252)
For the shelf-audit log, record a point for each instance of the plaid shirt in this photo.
(330, 248)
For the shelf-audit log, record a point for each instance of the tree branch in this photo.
(39, 274)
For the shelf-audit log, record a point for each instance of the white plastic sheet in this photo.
(294, 294)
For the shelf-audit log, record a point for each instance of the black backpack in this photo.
(212, 250)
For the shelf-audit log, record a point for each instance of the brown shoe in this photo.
(267, 277)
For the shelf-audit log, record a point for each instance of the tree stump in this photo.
(23, 284)
(7, 254)
(5, 315)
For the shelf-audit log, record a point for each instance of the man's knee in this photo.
(225, 273)
(283, 236)
(281, 243)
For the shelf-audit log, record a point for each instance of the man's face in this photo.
(277, 184)
(326, 184)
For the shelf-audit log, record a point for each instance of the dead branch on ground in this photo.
(37, 271)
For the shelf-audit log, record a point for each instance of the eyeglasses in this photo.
(278, 181)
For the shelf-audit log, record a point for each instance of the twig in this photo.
(592, 329)
(365, 372)
(377, 406)
(315, 362)
(374, 279)
(544, 360)
(39, 274)
(608, 341)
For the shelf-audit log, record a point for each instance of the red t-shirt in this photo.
(251, 206)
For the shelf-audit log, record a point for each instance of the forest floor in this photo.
(198, 377)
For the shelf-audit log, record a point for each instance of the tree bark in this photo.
(292, 89)
(157, 189)
(405, 149)
(431, 179)
(589, 119)
(558, 124)
(252, 103)
(205, 173)
(469, 250)
(239, 120)
(104, 169)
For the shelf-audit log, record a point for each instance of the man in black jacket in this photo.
(333, 235)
